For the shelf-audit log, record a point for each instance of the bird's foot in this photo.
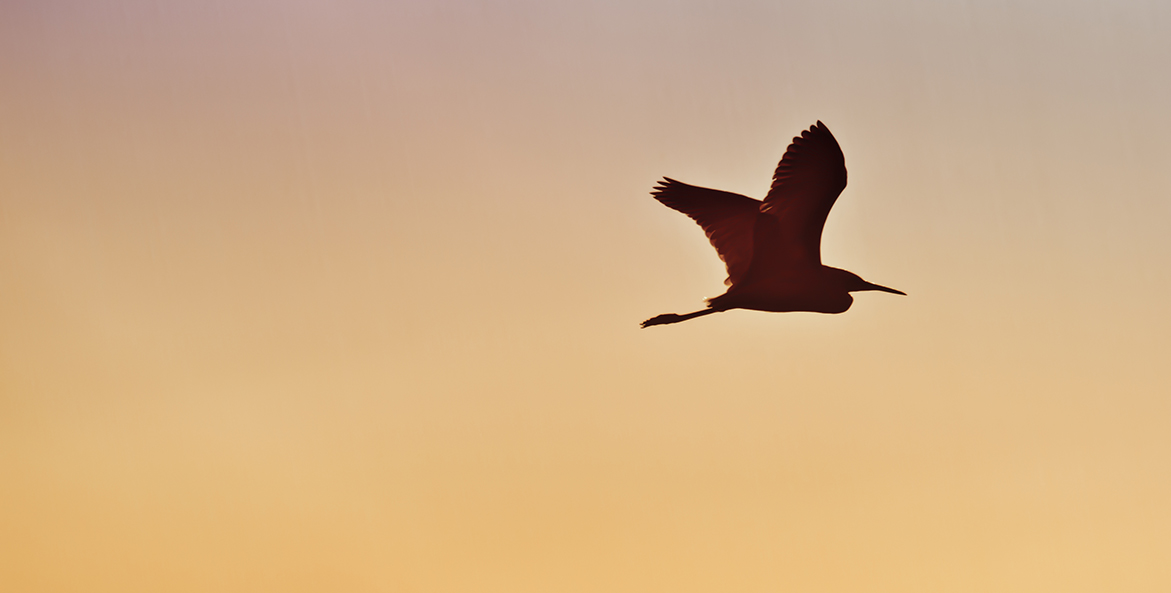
(662, 319)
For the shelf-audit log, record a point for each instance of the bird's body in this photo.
(772, 248)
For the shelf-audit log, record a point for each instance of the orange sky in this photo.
(344, 296)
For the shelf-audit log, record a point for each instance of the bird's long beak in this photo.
(870, 286)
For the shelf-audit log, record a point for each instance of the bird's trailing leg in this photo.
(666, 318)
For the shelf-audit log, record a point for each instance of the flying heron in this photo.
(773, 248)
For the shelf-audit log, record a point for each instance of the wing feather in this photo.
(807, 182)
(726, 218)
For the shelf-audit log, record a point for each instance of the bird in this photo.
(772, 247)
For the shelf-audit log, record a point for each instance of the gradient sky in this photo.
(344, 296)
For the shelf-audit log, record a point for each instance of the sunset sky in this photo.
(343, 296)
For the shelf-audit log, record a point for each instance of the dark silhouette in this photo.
(773, 248)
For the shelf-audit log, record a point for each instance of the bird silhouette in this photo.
(772, 248)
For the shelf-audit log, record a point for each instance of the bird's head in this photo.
(854, 283)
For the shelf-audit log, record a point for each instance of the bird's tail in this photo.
(666, 318)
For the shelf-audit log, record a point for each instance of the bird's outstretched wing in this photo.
(726, 218)
(806, 184)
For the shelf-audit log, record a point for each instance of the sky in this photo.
(344, 296)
